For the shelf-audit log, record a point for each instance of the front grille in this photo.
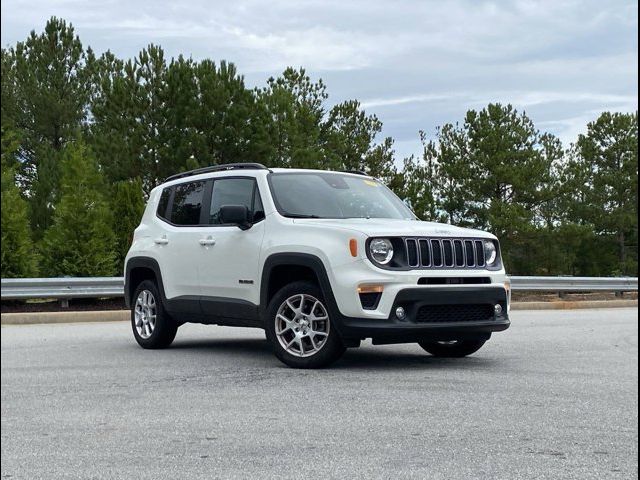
(454, 313)
(444, 253)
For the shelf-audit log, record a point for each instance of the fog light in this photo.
(497, 309)
(400, 314)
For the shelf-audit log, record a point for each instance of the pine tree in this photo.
(129, 118)
(294, 107)
(127, 206)
(494, 173)
(229, 122)
(80, 242)
(605, 169)
(116, 134)
(18, 256)
(348, 141)
(418, 182)
(50, 92)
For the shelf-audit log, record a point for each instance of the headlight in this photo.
(381, 250)
(490, 252)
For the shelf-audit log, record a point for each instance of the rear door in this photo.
(229, 269)
(180, 251)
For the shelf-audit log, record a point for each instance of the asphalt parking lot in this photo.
(553, 397)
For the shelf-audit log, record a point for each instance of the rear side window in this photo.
(164, 203)
(235, 191)
(187, 203)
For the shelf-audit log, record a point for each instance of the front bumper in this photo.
(345, 279)
(417, 326)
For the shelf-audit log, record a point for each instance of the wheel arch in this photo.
(279, 264)
(137, 270)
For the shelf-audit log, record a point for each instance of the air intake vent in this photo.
(369, 300)
(455, 313)
(454, 281)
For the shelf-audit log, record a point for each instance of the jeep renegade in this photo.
(320, 260)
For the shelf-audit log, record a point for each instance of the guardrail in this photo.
(62, 288)
(575, 284)
(66, 288)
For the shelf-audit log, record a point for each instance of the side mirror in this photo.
(235, 214)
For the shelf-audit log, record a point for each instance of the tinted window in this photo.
(187, 203)
(235, 191)
(164, 203)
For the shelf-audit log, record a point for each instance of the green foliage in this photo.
(417, 182)
(294, 109)
(81, 240)
(494, 172)
(117, 131)
(349, 142)
(153, 118)
(46, 88)
(127, 207)
(18, 256)
(227, 121)
(604, 167)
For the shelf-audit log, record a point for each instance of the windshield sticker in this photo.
(371, 183)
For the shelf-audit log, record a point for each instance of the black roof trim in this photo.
(218, 168)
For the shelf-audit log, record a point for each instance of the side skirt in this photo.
(214, 311)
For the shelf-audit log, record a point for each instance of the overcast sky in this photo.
(415, 64)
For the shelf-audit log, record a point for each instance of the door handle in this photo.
(207, 242)
(163, 240)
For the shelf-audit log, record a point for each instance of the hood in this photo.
(381, 227)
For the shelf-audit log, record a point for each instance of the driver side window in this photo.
(235, 191)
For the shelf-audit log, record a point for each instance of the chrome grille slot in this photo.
(412, 252)
(458, 253)
(447, 248)
(469, 253)
(479, 253)
(425, 253)
(436, 253)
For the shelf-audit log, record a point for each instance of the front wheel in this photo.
(453, 348)
(152, 327)
(299, 328)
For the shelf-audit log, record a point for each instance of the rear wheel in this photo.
(152, 327)
(299, 328)
(453, 348)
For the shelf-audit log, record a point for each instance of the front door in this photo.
(230, 264)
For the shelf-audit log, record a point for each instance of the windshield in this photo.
(334, 195)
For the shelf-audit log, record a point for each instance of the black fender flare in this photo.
(142, 262)
(308, 260)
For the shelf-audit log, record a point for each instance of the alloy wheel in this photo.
(145, 314)
(302, 325)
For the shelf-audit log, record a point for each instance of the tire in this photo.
(461, 348)
(147, 301)
(315, 343)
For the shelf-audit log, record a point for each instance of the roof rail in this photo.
(357, 172)
(218, 168)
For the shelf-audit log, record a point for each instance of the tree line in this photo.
(85, 137)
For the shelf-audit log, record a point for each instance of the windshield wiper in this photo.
(300, 215)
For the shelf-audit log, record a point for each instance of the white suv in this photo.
(320, 260)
